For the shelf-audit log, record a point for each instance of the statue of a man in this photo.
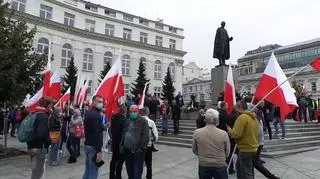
(221, 49)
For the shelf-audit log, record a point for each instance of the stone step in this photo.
(295, 134)
(175, 144)
(176, 138)
(291, 140)
(283, 153)
(289, 146)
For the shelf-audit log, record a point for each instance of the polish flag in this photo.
(283, 96)
(79, 84)
(54, 92)
(111, 88)
(143, 96)
(64, 99)
(230, 93)
(316, 64)
(83, 94)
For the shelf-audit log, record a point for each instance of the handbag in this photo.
(55, 136)
(79, 130)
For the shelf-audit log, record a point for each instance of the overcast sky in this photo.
(252, 23)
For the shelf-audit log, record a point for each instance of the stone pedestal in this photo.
(218, 78)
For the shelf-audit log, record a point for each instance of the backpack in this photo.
(26, 128)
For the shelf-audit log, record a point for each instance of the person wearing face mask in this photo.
(134, 142)
(93, 128)
(39, 139)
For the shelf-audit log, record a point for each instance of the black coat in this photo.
(201, 122)
(117, 126)
(93, 129)
(223, 118)
(40, 137)
(176, 112)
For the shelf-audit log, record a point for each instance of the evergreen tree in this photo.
(104, 72)
(20, 66)
(70, 78)
(168, 88)
(138, 86)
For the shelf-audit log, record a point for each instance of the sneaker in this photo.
(72, 160)
(282, 137)
(61, 151)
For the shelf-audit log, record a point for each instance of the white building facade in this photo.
(190, 71)
(200, 87)
(94, 35)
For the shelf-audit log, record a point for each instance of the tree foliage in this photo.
(20, 66)
(104, 72)
(168, 88)
(138, 86)
(70, 78)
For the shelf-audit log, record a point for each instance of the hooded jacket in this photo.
(246, 132)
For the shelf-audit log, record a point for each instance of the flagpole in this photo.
(267, 95)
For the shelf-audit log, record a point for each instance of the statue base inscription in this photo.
(218, 78)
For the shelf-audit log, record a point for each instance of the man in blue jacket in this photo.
(93, 128)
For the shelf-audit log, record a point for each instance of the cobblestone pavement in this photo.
(169, 162)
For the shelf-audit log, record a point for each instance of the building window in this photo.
(109, 30)
(90, 25)
(90, 87)
(43, 45)
(66, 55)
(19, 5)
(159, 41)
(190, 89)
(313, 86)
(157, 70)
(143, 22)
(196, 88)
(45, 12)
(172, 44)
(126, 65)
(172, 70)
(172, 29)
(69, 19)
(110, 13)
(201, 88)
(159, 26)
(127, 33)
(107, 58)
(248, 89)
(87, 59)
(126, 89)
(143, 37)
(91, 7)
(157, 92)
(127, 18)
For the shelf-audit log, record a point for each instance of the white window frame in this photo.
(87, 60)
(125, 63)
(157, 92)
(19, 5)
(159, 41)
(127, 33)
(109, 30)
(157, 70)
(107, 57)
(91, 8)
(69, 19)
(90, 85)
(127, 17)
(172, 44)
(46, 11)
(143, 37)
(66, 55)
(42, 45)
(90, 25)
(172, 69)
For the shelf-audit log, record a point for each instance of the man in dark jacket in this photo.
(223, 116)
(93, 128)
(117, 160)
(153, 106)
(134, 142)
(179, 99)
(201, 119)
(176, 116)
(39, 140)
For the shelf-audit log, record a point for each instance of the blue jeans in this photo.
(134, 164)
(213, 172)
(91, 170)
(165, 125)
(53, 154)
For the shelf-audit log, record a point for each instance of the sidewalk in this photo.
(168, 163)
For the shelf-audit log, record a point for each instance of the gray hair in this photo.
(212, 116)
(144, 111)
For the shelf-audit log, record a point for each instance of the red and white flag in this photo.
(47, 75)
(111, 88)
(316, 64)
(54, 92)
(64, 99)
(79, 84)
(83, 94)
(230, 92)
(143, 96)
(283, 96)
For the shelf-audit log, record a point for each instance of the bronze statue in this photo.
(221, 49)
